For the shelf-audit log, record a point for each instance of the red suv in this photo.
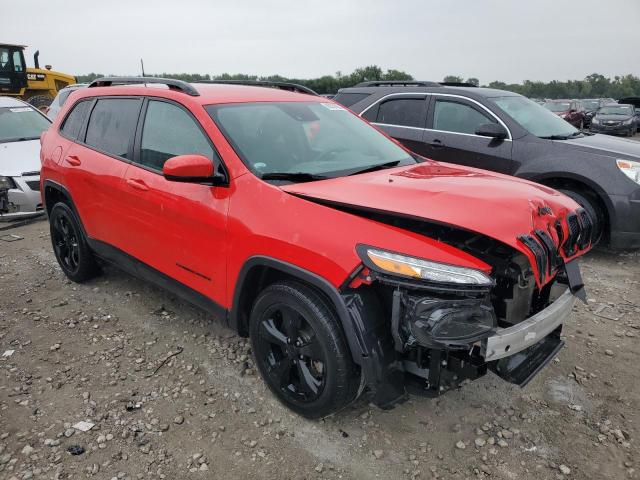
(355, 267)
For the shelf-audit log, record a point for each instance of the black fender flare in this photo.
(352, 332)
(61, 189)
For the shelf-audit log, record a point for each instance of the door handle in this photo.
(137, 184)
(73, 160)
(436, 144)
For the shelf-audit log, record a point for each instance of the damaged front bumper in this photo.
(509, 341)
(438, 341)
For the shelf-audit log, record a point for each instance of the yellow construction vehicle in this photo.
(35, 85)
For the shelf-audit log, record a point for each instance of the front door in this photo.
(176, 228)
(450, 136)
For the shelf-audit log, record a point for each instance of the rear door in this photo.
(94, 165)
(402, 117)
(177, 228)
(450, 135)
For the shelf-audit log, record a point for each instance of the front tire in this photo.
(70, 246)
(593, 210)
(300, 350)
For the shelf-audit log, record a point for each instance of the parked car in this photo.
(569, 110)
(20, 127)
(635, 101)
(53, 109)
(615, 119)
(507, 133)
(590, 105)
(355, 267)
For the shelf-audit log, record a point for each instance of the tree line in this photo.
(592, 86)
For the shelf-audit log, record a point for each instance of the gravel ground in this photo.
(174, 395)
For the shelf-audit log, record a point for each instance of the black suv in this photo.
(508, 133)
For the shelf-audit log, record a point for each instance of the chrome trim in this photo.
(426, 94)
(508, 341)
(433, 130)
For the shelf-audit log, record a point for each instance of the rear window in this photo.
(112, 125)
(348, 99)
(72, 124)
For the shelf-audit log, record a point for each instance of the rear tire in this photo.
(41, 102)
(70, 246)
(300, 350)
(594, 211)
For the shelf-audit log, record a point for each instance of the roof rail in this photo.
(398, 83)
(173, 84)
(293, 87)
(458, 84)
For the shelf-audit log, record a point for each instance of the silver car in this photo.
(58, 102)
(20, 128)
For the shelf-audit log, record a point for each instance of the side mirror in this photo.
(192, 169)
(492, 130)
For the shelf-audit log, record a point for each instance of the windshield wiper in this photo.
(293, 176)
(375, 168)
(556, 137)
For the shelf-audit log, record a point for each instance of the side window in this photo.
(112, 125)
(457, 117)
(73, 123)
(170, 131)
(17, 62)
(407, 112)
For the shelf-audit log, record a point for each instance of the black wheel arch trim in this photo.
(65, 192)
(352, 332)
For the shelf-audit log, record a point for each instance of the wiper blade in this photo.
(375, 168)
(556, 137)
(293, 176)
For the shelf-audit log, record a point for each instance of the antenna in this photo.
(142, 65)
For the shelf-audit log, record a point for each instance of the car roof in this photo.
(208, 94)
(12, 102)
(470, 91)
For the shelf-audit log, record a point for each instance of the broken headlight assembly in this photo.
(6, 183)
(397, 264)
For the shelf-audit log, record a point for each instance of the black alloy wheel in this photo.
(65, 243)
(290, 348)
(300, 350)
(69, 244)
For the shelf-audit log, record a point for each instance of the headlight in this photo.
(628, 122)
(7, 182)
(397, 264)
(630, 169)
(595, 120)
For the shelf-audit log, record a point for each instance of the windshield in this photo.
(534, 118)
(615, 110)
(557, 106)
(315, 139)
(21, 123)
(591, 104)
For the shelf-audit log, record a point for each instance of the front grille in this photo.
(540, 254)
(587, 229)
(33, 185)
(555, 261)
(574, 233)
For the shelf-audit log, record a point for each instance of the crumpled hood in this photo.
(19, 157)
(494, 205)
(606, 145)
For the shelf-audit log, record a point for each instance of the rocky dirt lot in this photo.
(174, 395)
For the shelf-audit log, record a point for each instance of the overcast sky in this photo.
(509, 40)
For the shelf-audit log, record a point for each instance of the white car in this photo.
(20, 128)
(58, 102)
